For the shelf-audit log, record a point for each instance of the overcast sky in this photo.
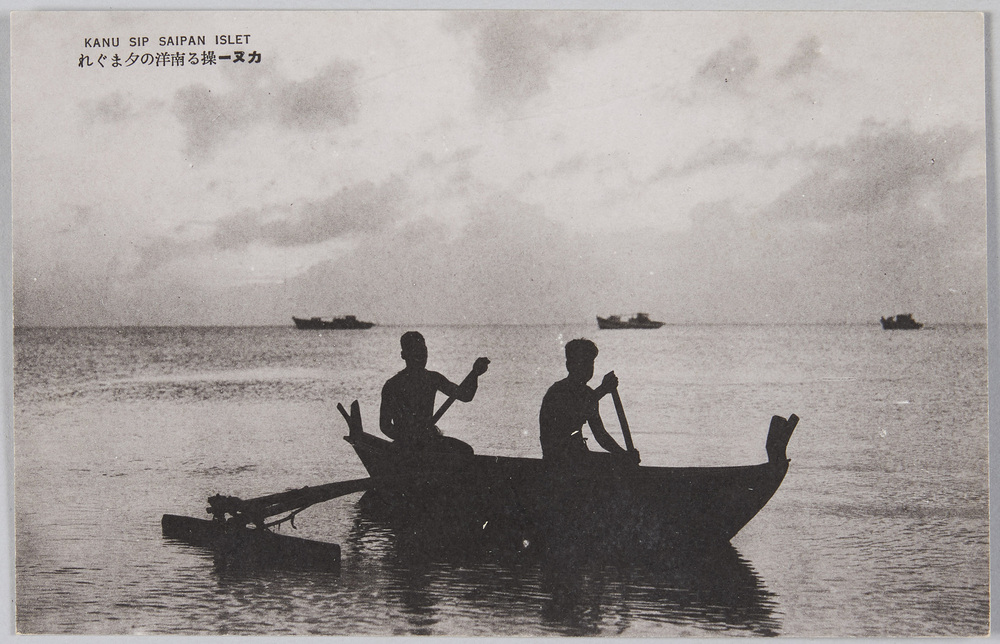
(465, 167)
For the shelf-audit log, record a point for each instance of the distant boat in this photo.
(640, 321)
(903, 322)
(346, 322)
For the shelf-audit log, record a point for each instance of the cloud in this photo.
(877, 171)
(518, 51)
(888, 220)
(363, 208)
(360, 208)
(714, 154)
(163, 250)
(328, 98)
(508, 264)
(807, 54)
(113, 108)
(732, 66)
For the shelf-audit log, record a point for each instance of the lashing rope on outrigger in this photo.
(246, 517)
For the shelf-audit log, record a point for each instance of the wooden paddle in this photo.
(443, 408)
(622, 420)
(446, 404)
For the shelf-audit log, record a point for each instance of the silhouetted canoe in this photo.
(902, 322)
(639, 321)
(508, 502)
(610, 503)
(346, 322)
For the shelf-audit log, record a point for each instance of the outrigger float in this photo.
(504, 501)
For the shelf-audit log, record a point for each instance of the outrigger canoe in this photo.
(509, 502)
(613, 504)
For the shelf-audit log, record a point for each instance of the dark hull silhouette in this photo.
(903, 322)
(613, 505)
(503, 503)
(348, 322)
(640, 321)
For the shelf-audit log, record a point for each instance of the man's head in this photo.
(414, 349)
(580, 356)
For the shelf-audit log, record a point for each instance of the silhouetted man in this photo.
(570, 403)
(407, 414)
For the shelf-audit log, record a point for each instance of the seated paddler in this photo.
(571, 403)
(407, 413)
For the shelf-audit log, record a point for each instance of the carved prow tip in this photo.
(354, 426)
(778, 436)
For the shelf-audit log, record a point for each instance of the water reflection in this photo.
(429, 579)
(399, 580)
(714, 591)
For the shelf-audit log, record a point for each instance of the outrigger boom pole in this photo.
(256, 511)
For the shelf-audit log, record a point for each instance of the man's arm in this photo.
(387, 414)
(591, 409)
(467, 390)
(603, 437)
(604, 440)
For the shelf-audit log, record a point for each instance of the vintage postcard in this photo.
(500, 323)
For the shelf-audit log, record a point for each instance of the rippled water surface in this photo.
(879, 529)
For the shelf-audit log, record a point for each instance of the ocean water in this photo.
(879, 529)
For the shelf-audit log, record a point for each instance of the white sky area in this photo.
(502, 167)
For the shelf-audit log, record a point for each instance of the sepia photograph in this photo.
(500, 323)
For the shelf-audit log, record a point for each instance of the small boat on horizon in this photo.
(639, 321)
(346, 322)
(902, 322)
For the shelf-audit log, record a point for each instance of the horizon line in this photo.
(465, 324)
